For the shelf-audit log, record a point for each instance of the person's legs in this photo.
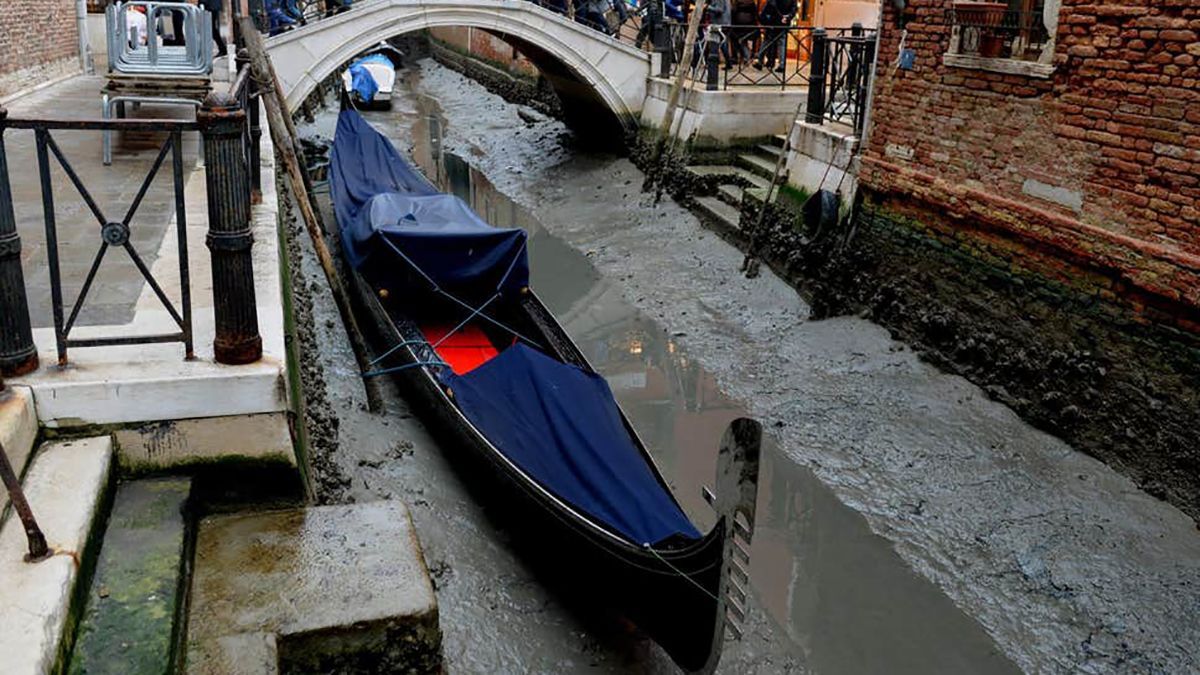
(781, 45)
(222, 50)
(771, 45)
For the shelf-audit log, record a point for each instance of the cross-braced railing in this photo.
(111, 233)
(230, 140)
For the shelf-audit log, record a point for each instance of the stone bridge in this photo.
(593, 74)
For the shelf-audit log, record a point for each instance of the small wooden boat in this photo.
(512, 395)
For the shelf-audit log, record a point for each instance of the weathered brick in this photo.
(38, 41)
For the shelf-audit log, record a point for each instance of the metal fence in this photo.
(111, 232)
(229, 132)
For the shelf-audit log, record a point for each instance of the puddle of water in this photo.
(838, 594)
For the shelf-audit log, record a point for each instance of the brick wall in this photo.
(486, 46)
(39, 40)
(1098, 164)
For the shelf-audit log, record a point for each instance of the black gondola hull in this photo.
(672, 595)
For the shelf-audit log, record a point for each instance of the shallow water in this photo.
(1009, 522)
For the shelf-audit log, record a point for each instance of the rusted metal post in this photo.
(18, 354)
(221, 122)
(38, 550)
(816, 78)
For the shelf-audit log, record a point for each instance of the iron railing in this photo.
(757, 56)
(846, 61)
(112, 232)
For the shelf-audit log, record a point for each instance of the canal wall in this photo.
(1044, 211)
(39, 43)
(509, 79)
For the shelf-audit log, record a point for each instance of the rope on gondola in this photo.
(680, 572)
(396, 369)
(475, 311)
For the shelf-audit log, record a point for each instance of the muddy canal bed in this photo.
(907, 523)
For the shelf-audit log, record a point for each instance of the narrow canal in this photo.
(864, 554)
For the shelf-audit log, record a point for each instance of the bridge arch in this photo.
(613, 72)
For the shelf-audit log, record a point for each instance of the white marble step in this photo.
(65, 487)
(18, 430)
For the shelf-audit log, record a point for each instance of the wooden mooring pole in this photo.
(283, 135)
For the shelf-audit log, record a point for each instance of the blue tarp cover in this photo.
(562, 427)
(555, 421)
(377, 195)
(361, 80)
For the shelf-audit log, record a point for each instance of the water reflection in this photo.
(838, 592)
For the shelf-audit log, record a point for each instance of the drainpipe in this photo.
(85, 47)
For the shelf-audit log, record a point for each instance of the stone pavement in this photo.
(118, 284)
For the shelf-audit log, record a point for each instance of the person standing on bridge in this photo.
(775, 17)
(214, 8)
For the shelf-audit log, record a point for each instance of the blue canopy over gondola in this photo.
(559, 423)
(385, 207)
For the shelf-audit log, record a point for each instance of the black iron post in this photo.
(18, 354)
(660, 36)
(712, 59)
(855, 54)
(37, 541)
(815, 110)
(221, 121)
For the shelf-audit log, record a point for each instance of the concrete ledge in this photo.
(822, 156)
(167, 443)
(324, 589)
(725, 115)
(18, 431)
(66, 486)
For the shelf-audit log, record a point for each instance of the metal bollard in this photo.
(814, 112)
(18, 354)
(712, 59)
(221, 121)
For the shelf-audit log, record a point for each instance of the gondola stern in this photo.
(735, 502)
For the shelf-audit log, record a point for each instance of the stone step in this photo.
(757, 164)
(18, 430)
(779, 140)
(721, 214)
(128, 625)
(731, 195)
(66, 486)
(771, 152)
(319, 589)
(732, 172)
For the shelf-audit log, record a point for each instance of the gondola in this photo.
(448, 299)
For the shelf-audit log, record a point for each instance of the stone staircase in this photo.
(189, 573)
(747, 177)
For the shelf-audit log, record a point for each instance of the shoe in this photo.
(221, 52)
(758, 65)
(780, 69)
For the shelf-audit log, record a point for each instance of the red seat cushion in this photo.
(465, 350)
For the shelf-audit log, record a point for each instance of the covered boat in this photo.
(371, 79)
(501, 381)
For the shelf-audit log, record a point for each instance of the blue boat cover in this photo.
(384, 206)
(562, 427)
(362, 81)
(555, 421)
